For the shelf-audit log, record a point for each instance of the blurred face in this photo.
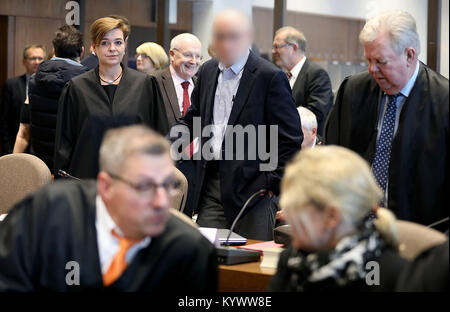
(111, 49)
(231, 38)
(144, 64)
(35, 56)
(282, 52)
(139, 213)
(186, 58)
(391, 71)
(313, 229)
(309, 136)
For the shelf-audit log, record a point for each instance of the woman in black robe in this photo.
(108, 96)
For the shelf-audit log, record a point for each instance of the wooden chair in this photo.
(179, 201)
(415, 238)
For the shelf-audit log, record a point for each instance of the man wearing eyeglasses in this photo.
(115, 233)
(176, 84)
(15, 91)
(310, 83)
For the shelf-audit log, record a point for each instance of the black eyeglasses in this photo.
(280, 46)
(189, 55)
(148, 188)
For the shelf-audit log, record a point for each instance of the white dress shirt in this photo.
(177, 81)
(108, 244)
(295, 71)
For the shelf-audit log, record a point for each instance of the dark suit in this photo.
(57, 224)
(263, 98)
(418, 180)
(169, 95)
(13, 96)
(90, 61)
(312, 89)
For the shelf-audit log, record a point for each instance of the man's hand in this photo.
(280, 216)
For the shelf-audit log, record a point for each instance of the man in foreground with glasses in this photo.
(114, 234)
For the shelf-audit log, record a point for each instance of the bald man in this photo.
(239, 89)
(176, 82)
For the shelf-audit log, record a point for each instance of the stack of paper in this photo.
(271, 257)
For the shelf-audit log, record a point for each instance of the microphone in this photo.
(232, 255)
(64, 174)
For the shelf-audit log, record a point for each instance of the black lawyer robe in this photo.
(56, 225)
(85, 114)
(419, 166)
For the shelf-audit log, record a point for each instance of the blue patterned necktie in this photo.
(380, 166)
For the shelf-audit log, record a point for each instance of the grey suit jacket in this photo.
(169, 94)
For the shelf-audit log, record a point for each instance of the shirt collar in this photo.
(408, 87)
(104, 217)
(177, 79)
(238, 66)
(295, 71)
(55, 58)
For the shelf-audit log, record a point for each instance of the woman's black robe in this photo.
(85, 114)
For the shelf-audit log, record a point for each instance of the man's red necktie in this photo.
(186, 100)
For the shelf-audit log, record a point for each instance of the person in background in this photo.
(238, 88)
(176, 84)
(310, 83)
(117, 231)
(38, 118)
(150, 57)
(14, 93)
(109, 96)
(90, 61)
(396, 117)
(309, 128)
(329, 197)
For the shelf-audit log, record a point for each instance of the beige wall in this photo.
(328, 38)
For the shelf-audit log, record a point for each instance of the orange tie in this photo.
(118, 264)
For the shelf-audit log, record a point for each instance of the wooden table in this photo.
(246, 277)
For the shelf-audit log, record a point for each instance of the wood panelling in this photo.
(29, 30)
(37, 21)
(328, 38)
(33, 8)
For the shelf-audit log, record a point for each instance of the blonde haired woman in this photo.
(150, 57)
(329, 197)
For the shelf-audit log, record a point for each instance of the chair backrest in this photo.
(416, 238)
(20, 175)
(179, 201)
(177, 214)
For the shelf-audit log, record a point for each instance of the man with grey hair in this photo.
(115, 233)
(310, 83)
(396, 117)
(309, 128)
(238, 90)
